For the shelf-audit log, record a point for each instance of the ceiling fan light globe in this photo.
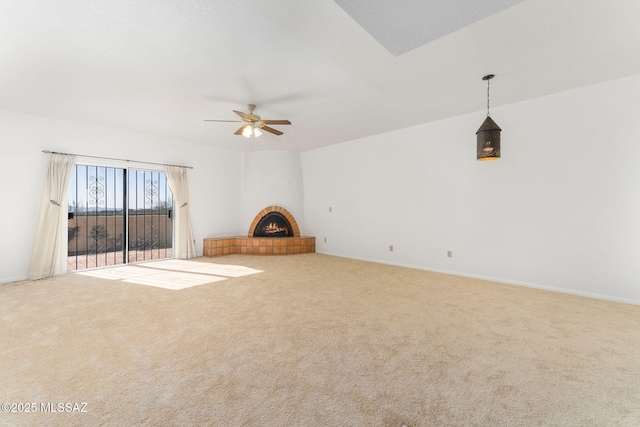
(246, 131)
(257, 132)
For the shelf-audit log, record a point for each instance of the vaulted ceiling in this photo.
(339, 70)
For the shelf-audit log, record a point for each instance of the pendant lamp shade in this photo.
(488, 136)
(488, 140)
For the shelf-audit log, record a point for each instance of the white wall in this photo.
(215, 180)
(560, 210)
(272, 178)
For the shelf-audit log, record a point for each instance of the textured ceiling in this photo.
(163, 66)
(403, 25)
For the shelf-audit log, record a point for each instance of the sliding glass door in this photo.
(117, 216)
(150, 211)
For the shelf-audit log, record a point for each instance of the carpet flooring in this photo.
(310, 340)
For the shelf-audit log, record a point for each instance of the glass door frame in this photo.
(128, 167)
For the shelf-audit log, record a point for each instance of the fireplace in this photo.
(273, 231)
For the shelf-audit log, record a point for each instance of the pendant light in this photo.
(488, 136)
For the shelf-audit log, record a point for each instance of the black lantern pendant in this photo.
(488, 136)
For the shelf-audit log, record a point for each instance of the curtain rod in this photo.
(111, 158)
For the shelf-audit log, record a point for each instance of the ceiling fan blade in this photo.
(276, 122)
(271, 130)
(228, 121)
(243, 115)
(239, 131)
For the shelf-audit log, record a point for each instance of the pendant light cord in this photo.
(488, 80)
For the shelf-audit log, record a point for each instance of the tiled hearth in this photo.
(221, 246)
(249, 245)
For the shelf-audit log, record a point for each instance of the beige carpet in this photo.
(313, 340)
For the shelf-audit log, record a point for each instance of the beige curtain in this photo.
(49, 231)
(185, 245)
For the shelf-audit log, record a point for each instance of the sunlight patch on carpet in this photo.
(172, 274)
(174, 280)
(203, 267)
(117, 272)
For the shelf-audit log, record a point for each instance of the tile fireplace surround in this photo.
(249, 245)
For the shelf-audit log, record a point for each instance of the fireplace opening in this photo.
(273, 224)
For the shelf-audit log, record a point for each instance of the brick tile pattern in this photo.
(220, 246)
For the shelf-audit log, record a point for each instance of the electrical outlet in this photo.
(325, 240)
(449, 254)
(330, 209)
(390, 248)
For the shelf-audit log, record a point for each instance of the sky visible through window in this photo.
(96, 189)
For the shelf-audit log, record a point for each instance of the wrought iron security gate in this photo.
(150, 216)
(118, 216)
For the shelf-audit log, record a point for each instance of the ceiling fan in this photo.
(253, 125)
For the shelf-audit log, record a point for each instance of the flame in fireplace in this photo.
(274, 228)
